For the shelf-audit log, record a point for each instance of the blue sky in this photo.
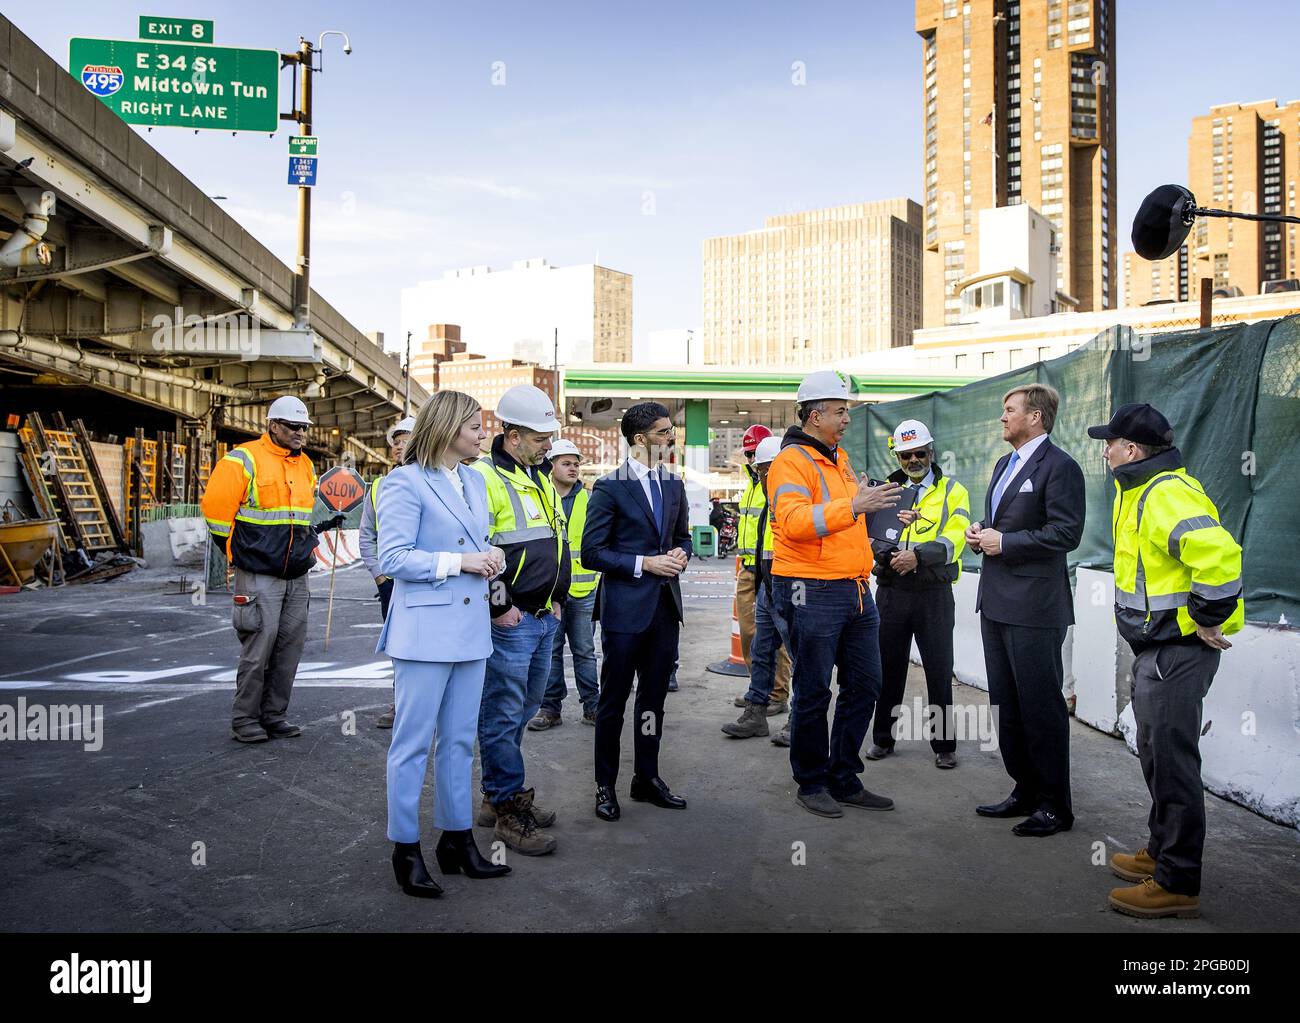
(630, 132)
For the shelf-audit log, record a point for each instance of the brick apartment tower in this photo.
(1045, 71)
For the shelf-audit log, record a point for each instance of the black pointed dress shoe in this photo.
(607, 804)
(1009, 807)
(412, 875)
(1042, 823)
(457, 853)
(655, 790)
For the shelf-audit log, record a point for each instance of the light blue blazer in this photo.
(420, 514)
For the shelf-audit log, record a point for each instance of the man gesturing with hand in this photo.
(821, 563)
(638, 536)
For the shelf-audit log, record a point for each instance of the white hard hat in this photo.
(911, 433)
(564, 447)
(401, 426)
(290, 409)
(528, 406)
(824, 385)
(768, 449)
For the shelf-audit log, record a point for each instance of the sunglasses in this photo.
(294, 427)
(913, 456)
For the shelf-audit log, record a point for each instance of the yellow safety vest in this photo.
(516, 524)
(583, 580)
(751, 507)
(1171, 550)
(943, 513)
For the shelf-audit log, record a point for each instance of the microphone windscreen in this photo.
(1158, 228)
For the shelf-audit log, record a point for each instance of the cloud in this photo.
(488, 186)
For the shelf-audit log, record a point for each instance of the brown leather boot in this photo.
(1149, 901)
(487, 814)
(1133, 868)
(517, 828)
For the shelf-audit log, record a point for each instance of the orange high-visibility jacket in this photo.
(259, 500)
(814, 532)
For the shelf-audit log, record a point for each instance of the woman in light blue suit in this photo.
(433, 541)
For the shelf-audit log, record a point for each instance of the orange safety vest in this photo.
(259, 499)
(814, 532)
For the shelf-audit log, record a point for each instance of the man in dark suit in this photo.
(1033, 518)
(638, 537)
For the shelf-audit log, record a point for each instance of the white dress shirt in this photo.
(641, 471)
(449, 563)
(1025, 451)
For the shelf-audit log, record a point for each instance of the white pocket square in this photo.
(1027, 487)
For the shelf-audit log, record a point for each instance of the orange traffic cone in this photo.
(735, 663)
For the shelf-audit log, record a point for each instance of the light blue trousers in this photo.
(433, 698)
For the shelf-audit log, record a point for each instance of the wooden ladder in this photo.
(73, 489)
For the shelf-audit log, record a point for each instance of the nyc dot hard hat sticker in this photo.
(102, 79)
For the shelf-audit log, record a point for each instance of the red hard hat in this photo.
(752, 436)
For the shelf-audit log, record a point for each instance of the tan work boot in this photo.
(386, 719)
(1133, 868)
(487, 815)
(517, 827)
(751, 723)
(1149, 901)
(776, 707)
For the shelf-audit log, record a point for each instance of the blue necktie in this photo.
(657, 501)
(1002, 483)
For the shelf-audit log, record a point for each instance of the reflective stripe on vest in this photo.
(518, 535)
(818, 510)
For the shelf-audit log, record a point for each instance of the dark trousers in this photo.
(1025, 675)
(929, 616)
(648, 655)
(833, 625)
(385, 591)
(1169, 685)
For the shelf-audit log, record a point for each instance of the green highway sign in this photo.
(303, 145)
(181, 85)
(176, 30)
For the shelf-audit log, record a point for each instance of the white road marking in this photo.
(188, 637)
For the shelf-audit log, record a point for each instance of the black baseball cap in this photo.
(1142, 424)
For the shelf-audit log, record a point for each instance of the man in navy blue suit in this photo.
(637, 536)
(1033, 519)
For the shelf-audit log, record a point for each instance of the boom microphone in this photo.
(1167, 214)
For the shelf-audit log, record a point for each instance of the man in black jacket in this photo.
(1033, 518)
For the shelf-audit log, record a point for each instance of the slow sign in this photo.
(342, 489)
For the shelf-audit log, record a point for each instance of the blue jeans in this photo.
(512, 691)
(576, 625)
(833, 624)
(770, 635)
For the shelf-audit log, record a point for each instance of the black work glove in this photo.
(329, 524)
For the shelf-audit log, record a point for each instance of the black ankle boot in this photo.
(412, 875)
(457, 852)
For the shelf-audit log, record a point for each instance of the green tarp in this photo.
(1232, 395)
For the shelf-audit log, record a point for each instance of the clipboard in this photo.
(884, 525)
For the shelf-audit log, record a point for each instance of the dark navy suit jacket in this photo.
(620, 526)
(1040, 517)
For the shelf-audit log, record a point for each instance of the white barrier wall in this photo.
(1251, 753)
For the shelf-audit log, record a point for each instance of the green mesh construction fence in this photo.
(1232, 395)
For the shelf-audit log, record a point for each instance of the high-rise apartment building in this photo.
(1162, 280)
(1019, 106)
(528, 311)
(810, 288)
(1244, 157)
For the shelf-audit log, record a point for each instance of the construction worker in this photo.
(915, 573)
(771, 638)
(1178, 593)
(576, 624)
(528, 524)
(368, 540)
(752, 504)
(820, 569)
(259, 501)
